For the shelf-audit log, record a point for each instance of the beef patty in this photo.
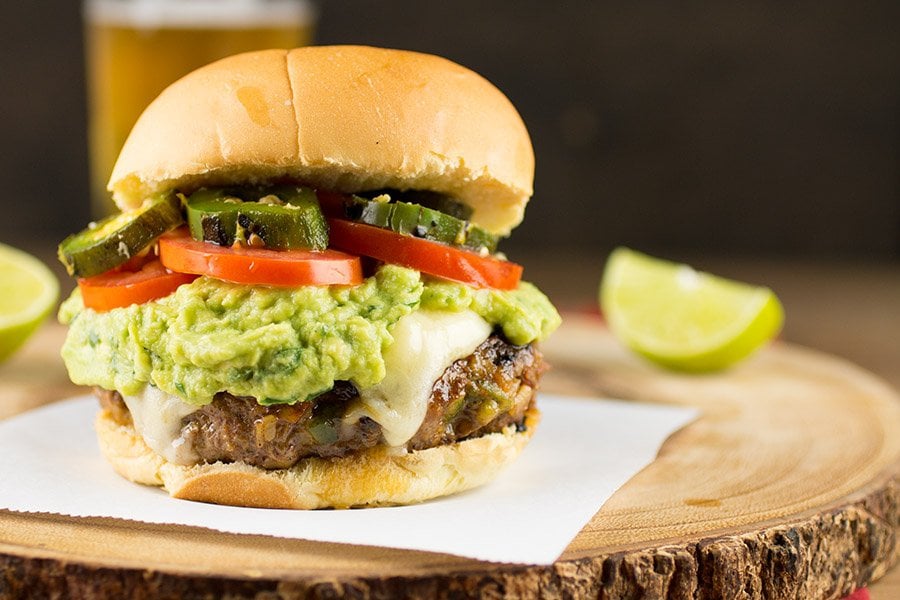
(482, 393)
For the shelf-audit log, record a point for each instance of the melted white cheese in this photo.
(157, 418)
(425, 344)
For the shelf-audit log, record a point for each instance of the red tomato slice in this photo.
(180, 252)
(118, 288)
(429, 257)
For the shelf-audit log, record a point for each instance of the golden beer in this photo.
(135, 48)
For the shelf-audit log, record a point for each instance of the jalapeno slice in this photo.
(111, 242)
(434, 200)
(418, 221)
(280, 218)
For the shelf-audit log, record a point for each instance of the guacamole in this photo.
(279, 345)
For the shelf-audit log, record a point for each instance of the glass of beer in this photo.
(135, 48)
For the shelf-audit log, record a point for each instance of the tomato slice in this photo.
(429, 257)
(180, 252)
(118, 288)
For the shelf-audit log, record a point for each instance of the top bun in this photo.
(343, 118)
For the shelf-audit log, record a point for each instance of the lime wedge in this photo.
(684, 319)
(28, 291)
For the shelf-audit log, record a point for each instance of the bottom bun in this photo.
(375, 477)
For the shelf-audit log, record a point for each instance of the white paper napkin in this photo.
(583, 451)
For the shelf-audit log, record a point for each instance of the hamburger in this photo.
(301, 304)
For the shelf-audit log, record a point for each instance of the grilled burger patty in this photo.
(482, 393)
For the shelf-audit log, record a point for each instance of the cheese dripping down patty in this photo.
(425, 343)
(157, 418)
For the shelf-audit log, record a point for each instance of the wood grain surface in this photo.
(786, 487)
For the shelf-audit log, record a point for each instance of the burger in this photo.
(301, 303)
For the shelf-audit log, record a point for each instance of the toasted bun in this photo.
(344, 118)
(372, 478)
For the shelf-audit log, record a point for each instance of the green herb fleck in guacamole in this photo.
(278, 345)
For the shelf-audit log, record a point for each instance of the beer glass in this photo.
(135, 48)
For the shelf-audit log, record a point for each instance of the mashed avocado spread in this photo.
(279, 345)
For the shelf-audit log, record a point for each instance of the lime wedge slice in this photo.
(28, 292)
(684, 319)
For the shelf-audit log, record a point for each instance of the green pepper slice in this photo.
(111, 242)
(280, 218)
(419, 221)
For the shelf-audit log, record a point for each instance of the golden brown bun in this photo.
(344, 118)
(372, 478)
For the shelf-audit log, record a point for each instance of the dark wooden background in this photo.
(760, 129)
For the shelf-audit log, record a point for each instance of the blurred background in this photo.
(760, 129)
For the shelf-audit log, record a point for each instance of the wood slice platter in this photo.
(788, 486)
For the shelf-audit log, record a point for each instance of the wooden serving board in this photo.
(786, 487)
